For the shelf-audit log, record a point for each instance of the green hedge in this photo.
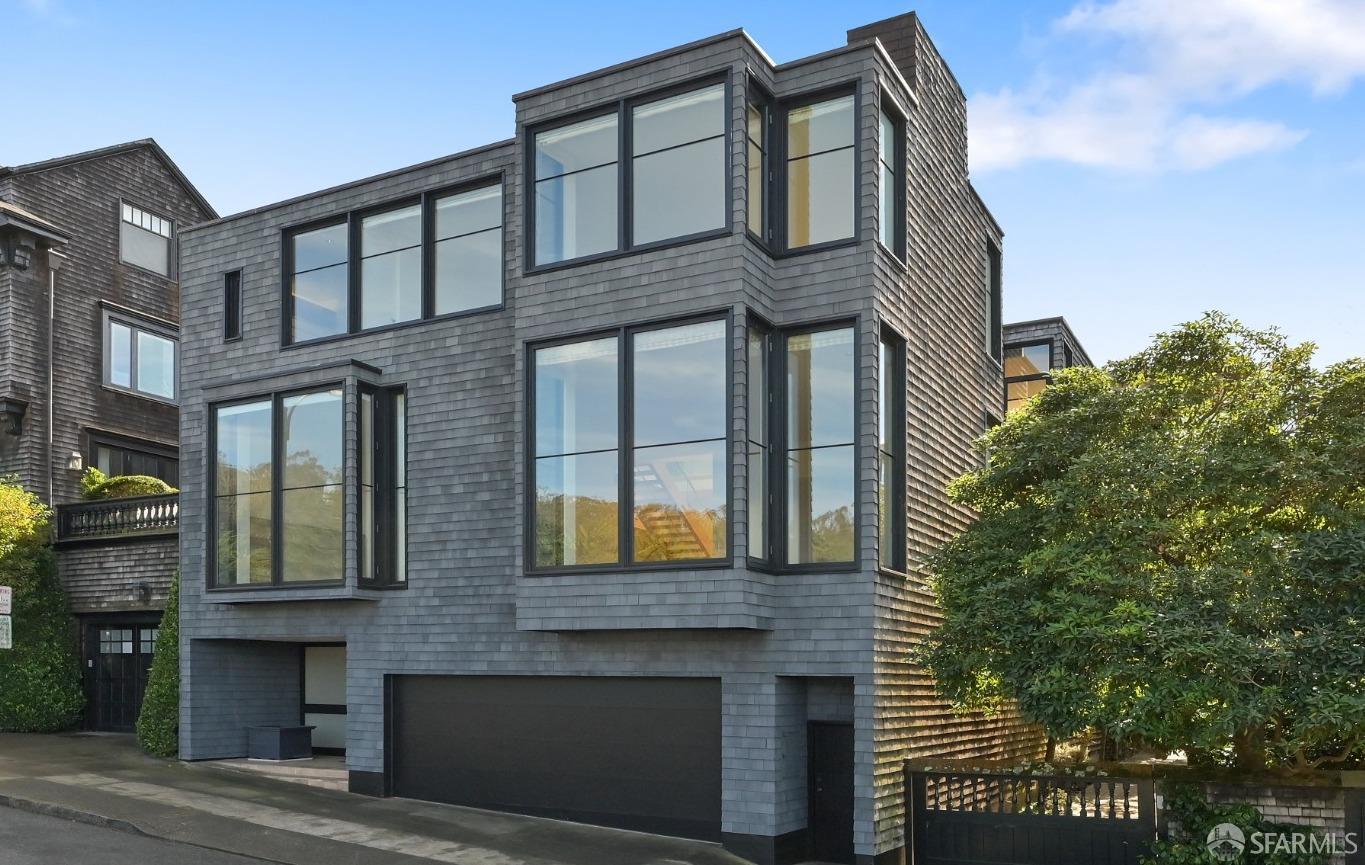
(158, 727)
(40, 678)
(95, 484)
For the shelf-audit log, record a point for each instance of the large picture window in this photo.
(821, 169)
(140, 356)
(673, 503)
(820, 420)
(434, 256)
(279, 489)
(674, 176)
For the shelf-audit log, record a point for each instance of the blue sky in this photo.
(1149, 159)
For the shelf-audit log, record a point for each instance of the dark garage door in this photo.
(637, 753)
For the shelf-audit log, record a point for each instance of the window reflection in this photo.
(318, 287)
(820, 172)
(391, 267)
(576, 190)
(678, 168)
(469, 250)
(820, 413)
(311, 483)
(243, 486)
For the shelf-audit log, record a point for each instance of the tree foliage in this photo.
(1172, 550)
(158, 724)
(40, 685)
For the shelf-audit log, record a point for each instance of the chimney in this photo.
(898, 38)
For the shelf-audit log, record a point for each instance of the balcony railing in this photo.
(119, 519)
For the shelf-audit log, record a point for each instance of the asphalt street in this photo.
(34, 839)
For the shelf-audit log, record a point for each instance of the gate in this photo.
(969, 817)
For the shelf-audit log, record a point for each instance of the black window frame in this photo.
(96, 439)
(135, 322)
(348, 469)
(625, 544)
(622, 108)
(896, 407)
(766, 438)
(899, 122)
(233, 308)
(386, 492)
(172, 259)
(758, 97)
(352, 219)
(1044, 376)
(995, 315)
(780, 244)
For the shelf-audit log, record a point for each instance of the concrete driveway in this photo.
(105, 780)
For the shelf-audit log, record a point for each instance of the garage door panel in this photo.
(637, 752)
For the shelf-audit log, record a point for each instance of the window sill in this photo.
(127, 391)
(612, 255)
(285, 594)
(662, 567)
(147, 270)
(389, 328)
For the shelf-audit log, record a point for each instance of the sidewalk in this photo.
(107, 781)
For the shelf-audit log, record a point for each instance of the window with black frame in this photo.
(819, 430)
(116, 456)
(677, 174)
(756, 136)
(576, 181)
(139, 356)
(383, 486)
(891, 452)
(760, 450)
(891, 182)
(821, 164)
(279, 489)
(145, 239)
(1027, 373)
(391, 266)
(468, 250)
(319, 283)
(674, 502)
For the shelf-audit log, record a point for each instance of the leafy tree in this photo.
(40, 684)
(158, 725)
(1172, 550)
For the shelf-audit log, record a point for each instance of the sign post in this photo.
(6, 598)
(6, 627)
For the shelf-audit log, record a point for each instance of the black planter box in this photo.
(279, 743)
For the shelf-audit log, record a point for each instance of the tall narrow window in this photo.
(391, 267)
(678, 165)
(821, 164)
(145, 239)
(242, 487)
(995, 327)
(1027, 369)
(311, 487)
(758, 387)
(679, 434)
(232, 305)
(891, 183)
(821, 407)
(756, 130)
(140, 356)
(576, 176)
(891, 449)
(383, 487)
(469, 250)
(576, 454)
(318, 288)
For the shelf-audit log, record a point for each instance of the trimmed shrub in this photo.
(40, 678)
(158, 726)
(95, 484)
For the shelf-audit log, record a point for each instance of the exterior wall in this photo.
(1054, 329)
(1323, 809)
(111, 577)
(82, 198)
(789, 647)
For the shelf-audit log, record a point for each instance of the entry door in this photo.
(324, 697)
(829, 798)
(121, 660)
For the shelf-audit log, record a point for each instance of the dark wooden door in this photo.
(119, 658)
(829, 774)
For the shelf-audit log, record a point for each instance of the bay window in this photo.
(630, 464)
(819, 437)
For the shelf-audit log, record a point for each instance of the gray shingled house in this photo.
(89, 311)
(591, 473)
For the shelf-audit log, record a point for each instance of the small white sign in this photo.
(6, 597)
(6, 633)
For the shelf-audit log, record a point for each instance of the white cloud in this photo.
(1183, 54)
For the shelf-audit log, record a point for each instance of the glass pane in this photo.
(469, 272)
(120, 354)
(320, 248)
(155, 365)
(467, 212)
(678, 120)
(758, 501)
(886, 209)
(887, 553)
(400, 438)
(320, 302)
(104, 461)
(243, 443)
(576, 215)
(367, 533)
(820, 399)
(391, 288)
(1018, 393)
(312, 439)
(758, 385)
(820, 127)
(680, 390)
(576, 397)
(820, 198)
(312, 544)
(679, 191)
(755, 190)
(886, 143)
(887, 376)
(680, 496)
(145, 248)
(820, 505)
(394, 229)
(1027, 360)
(400, 539)
(367, 454)
(754, 124)
(576, 510)
(573, 148)
(243, 542)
